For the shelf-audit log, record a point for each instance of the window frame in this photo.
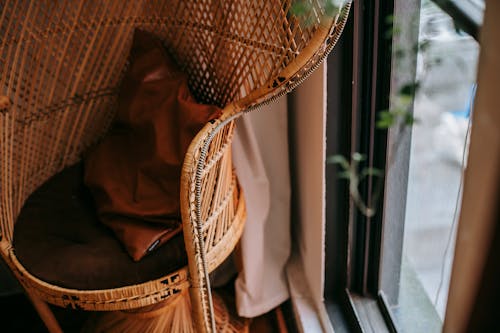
(466, 16)
(360, 84)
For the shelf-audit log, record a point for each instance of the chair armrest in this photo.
(207, 195)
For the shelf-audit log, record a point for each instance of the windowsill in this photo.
(309, 317)
(415, 313)
(362, 315)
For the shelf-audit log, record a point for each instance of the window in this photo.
(379, 276)
(446, 74)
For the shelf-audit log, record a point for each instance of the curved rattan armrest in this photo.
(209, 158)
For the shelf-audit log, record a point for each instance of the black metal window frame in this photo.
(465, 15)
(359, 87)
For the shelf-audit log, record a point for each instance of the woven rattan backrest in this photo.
(228, 48)
(61, 63)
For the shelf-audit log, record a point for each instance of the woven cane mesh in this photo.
(61, 64)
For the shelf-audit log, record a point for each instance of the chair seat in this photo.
(59, 239)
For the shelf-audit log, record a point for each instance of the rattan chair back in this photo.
(61, 64)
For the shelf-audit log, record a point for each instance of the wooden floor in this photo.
(18, 316)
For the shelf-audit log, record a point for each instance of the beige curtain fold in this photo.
(260, 153)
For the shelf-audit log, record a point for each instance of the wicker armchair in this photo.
(61, 63)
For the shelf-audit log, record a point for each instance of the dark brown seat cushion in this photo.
(59, 239)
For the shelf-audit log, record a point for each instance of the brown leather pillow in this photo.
(134, 172)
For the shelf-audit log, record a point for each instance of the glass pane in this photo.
(446, 70)
(479, 4)
(446, 73)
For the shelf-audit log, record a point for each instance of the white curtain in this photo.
(261, 160)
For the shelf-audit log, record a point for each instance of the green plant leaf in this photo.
(385, 119)
(409, 119)
(338, 159)
(384, 124)
(331, 9)
(386, 115)
(409, 89)
(344, 175)
(300, 8)
(372, 172)
(358, 157)
(392, 31)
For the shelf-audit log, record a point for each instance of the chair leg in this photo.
(45, 314)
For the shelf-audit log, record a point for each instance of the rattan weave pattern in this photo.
(61, 63)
